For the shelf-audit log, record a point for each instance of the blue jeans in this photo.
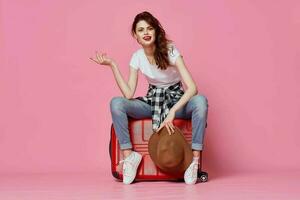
(195, 109)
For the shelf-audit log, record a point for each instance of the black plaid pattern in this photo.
(161, 101)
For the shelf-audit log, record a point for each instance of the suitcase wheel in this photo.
(203, 176)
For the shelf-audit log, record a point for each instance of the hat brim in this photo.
(188, 154)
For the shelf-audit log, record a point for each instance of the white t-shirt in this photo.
(155, 76)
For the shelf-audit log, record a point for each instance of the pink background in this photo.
(54, 110)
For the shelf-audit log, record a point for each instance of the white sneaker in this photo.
(191, 173)
(130, 165)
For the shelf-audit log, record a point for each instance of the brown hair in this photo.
(161, 40)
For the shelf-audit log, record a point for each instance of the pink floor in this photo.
(92, 186)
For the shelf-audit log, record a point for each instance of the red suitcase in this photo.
(140, 131)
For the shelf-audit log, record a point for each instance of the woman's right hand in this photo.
(102, 59)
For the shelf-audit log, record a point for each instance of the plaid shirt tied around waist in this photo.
(161, 101)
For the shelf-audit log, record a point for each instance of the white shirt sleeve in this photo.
(173, 54)
(134, 62)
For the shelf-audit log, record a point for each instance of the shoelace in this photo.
(125, 167)
(193, 170)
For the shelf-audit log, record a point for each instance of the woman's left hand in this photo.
(168, 122)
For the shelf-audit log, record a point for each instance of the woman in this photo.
(160, 62)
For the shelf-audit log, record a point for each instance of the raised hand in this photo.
(102, 59)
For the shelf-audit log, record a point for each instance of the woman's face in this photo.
(144, 33)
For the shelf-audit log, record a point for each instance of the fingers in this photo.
(161, 126)
(96, 61)
(100, 57)
(170, 127)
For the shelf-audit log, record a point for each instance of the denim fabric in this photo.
(195, 109)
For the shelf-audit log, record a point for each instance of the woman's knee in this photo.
(117, 103)
(199, 102)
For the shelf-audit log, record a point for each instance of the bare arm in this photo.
(189, 82)
(127, 88)
(189, 92)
